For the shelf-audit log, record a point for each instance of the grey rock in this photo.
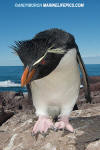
(15, 134)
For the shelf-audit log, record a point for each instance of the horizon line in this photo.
(23, 65)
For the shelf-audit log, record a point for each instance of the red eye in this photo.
(43, 62)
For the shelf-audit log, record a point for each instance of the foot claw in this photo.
(44, 134)
(55, 129)
(42, 126)
(52, 128)
(69, 127)
(64, 124)
(33, 134)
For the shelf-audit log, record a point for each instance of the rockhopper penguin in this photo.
(52, 61)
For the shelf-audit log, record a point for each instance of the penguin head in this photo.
(42, 54)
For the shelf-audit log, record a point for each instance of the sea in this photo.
(10, 76)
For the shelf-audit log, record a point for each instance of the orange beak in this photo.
(26, 76)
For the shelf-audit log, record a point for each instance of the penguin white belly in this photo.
(58, 92)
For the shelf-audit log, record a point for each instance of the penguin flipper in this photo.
(85, 78)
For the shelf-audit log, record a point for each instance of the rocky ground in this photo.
(17, 119)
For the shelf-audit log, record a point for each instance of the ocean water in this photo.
(10, 76)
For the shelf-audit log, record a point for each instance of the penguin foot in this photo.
(63, 123)
(42, 125)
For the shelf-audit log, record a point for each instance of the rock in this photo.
(94, 145)
(4, 116)
(94, 79)
(94, 83)
(95, 87)
(15, 101)
(15, 134)
(11, 103)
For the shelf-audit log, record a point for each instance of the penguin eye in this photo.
(43, 62)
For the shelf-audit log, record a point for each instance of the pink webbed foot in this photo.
(42, 125)
(63, 123)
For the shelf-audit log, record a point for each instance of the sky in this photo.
(23, 23)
